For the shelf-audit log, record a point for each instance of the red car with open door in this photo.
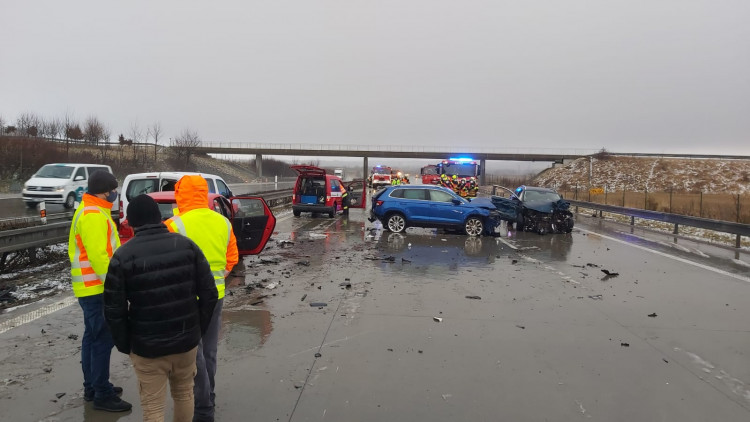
(252, 220)
(317, 191)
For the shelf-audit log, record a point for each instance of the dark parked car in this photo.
(535, 209)
(399, 207)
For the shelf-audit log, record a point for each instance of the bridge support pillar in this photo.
(259, 165)
(365, 169)
(483, 169)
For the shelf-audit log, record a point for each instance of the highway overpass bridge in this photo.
(393, 151)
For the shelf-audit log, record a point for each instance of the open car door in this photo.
(252, 223)
(358, 192)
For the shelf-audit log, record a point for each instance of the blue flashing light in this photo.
(462, 159)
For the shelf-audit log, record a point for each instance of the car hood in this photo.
(547, 206)
(47, 181)
(485, 203)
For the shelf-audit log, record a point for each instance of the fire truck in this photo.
(464, 169)
(380, 176)
(430, 175)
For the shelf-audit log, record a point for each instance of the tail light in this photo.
(378, 203)
(294, 198)
(328, 198)
(122, 213)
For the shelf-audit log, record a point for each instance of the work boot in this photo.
(112, 404)
(89, 396)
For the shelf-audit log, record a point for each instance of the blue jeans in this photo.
(205, 362)
(96, 348)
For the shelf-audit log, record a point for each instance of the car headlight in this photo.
(59, 188)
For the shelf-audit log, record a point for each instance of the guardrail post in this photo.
(632, 220)
(43, 212)
(676, 229)
(738, 242)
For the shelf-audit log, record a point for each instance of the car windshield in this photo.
(534, 195)
(383, 170)
(429, 170)
(460, 170)
(165, 208)
(55, 172)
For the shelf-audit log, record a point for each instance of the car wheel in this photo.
(296, 213)
(396, 223)
(331, 214)
(474, 226)
(31, 205)
(70, 201)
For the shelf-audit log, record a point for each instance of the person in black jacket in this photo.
(159, 296)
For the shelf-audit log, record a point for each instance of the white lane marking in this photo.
(676, 258)
(34, 315)
(515, 248)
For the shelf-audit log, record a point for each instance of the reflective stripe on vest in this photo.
(219, 273)
(84, 280)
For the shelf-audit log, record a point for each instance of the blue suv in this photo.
(399, 207)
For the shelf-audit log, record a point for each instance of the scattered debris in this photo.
(303, 297)
(610, 273)
(73, 336)
(473, 297)
(420, 351)
(256, 303)
(623, 344)
(318, 304)
(285, 243)
(390, 350)
(304, 263)
(437, 319)
(513, 262)
(588, 264)
(269, 261)
(405, 260)
(446, 396)
(272, 286)
(48, 370)
(43, 332)
(59, 395)
(523, 327)
(389, 258)
(596, 297)
(665, 361)
(317, 355)
(652, 315)
(346, 284)
(297, 386)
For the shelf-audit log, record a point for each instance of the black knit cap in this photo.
(143, 210)
(101, 181)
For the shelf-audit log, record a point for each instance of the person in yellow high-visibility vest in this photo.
(92, 241)
(212, 232)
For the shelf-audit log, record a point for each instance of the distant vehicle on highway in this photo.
(399, 207)
(62, 183)
(316, 191)
(535, 209)
(380, 176)
(430, 175)
(252, 221)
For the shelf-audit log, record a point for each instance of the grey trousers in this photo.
(205, 362)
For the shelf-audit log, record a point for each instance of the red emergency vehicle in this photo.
(467, 172)
(430, 175)
(380, 176)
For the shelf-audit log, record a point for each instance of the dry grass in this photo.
(714, 206)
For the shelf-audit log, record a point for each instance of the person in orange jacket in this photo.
(212, 232)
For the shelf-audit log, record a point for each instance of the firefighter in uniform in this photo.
(92, 241)
(212, 232)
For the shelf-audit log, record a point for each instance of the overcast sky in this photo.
(625, 75)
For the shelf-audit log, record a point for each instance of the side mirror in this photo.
(77, 178)
(456, 201)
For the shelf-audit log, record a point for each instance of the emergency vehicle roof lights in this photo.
(462, 159)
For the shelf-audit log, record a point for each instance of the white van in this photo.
(60, 184)
(140, 183)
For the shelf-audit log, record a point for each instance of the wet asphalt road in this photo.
(552, 338)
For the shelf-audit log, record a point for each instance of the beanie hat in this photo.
(143, 210)
(101, 181)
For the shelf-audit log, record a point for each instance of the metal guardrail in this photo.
(49, 234)
(678, 220)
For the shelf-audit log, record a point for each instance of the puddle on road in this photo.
(246, 329)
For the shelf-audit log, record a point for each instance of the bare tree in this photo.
(2, 125)
(155, 132)
(95, 131)
(186, 144)
(28, 124)
(51, 128)
(67, 122)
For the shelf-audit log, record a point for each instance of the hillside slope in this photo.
(652, 174)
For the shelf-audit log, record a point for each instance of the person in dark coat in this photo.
(159, 297)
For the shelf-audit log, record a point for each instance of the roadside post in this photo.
(43, 212)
